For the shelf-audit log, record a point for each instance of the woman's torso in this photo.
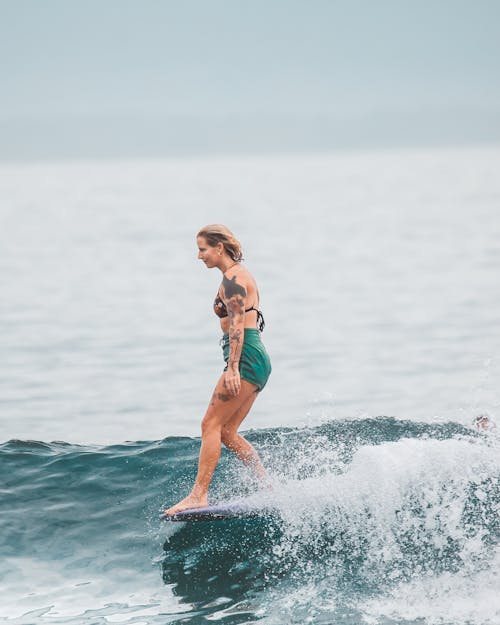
(251, 299)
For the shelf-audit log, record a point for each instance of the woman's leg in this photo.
(222, 407)
(239, 445)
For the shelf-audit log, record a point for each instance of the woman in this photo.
(247, 363)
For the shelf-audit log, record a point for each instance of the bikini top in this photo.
(221, 311)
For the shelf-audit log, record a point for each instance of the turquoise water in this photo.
(378, 274)
(367, 509)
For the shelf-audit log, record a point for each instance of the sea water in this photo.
(379, 280)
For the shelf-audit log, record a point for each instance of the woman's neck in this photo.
(227, 266)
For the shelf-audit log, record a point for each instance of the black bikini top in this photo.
(221, 311)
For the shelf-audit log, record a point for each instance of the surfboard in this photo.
(237, 509)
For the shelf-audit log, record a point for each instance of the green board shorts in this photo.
(254, 366)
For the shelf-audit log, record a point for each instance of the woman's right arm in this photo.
(234, 297)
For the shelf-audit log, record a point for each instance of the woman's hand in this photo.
(232, 380)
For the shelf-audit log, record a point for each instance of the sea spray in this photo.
(373, 520)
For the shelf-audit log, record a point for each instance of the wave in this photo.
(368, 511)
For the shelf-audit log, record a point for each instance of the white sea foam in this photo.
(392, 515)
(459, 598)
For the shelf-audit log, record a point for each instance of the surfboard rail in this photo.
(238, 509)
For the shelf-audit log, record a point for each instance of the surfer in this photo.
(484, 423)
(247, 363)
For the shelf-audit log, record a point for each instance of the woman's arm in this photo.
(234, 298)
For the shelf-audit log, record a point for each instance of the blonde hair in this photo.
(217, 233)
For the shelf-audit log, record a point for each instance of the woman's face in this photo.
(208, 254)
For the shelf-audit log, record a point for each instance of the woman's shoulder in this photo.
(239, 275)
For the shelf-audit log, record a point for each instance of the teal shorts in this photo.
(255, 366)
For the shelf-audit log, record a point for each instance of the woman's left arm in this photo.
(234, 296)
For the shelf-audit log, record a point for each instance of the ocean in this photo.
(379, 280)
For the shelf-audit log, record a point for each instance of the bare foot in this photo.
(189, 502)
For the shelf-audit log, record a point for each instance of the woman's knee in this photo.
(228, 436)
(209, 425)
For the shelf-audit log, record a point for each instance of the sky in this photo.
(155, 77)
